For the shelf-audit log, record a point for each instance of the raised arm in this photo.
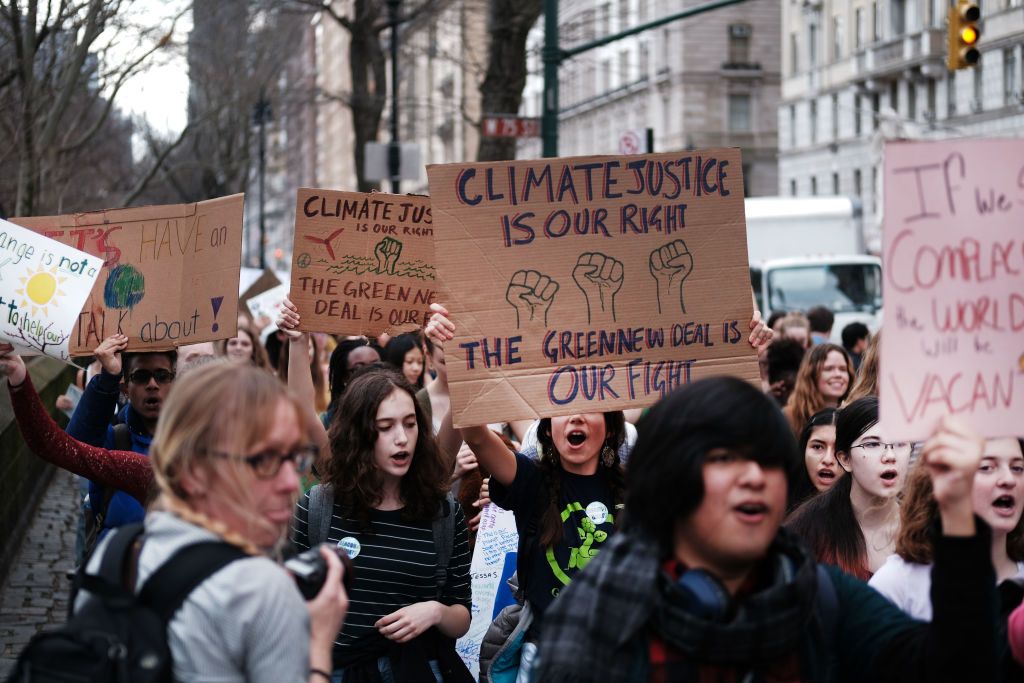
(92, 417)
(123, 470)
(490, 450)
(300, 380)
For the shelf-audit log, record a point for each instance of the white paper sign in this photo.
(43, 286)
(496, 538)
(268, 303)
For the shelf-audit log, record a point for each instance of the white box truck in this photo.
(810, 251)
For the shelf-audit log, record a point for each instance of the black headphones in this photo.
(705, 597)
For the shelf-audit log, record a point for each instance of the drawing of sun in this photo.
(40, 288)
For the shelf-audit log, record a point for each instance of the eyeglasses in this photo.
(266, 465)
(143, 376)
(900, 448)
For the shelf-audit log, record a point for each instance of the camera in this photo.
(310, 570)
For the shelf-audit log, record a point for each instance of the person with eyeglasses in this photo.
(145, 378)
(855, 523)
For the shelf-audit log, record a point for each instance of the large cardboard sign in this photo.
(170, 273)
(954, 287)
(592, 283)
(362, 263)
(43, 285)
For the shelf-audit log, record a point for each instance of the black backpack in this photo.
(118, 635)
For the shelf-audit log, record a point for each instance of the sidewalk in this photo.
(35, 595)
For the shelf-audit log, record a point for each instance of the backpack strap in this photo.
(321, 509)
(443, 528)
(167, 588)
(107, 580)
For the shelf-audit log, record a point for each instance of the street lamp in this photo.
(261, 114)
(394, 152)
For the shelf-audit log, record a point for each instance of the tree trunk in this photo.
(501, 92)
(369, 83)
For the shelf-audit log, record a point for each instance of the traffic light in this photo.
(963, 35)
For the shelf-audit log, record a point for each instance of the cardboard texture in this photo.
(43, 285)
(953, 255)
(593, 283)
(170, 273)
(362, 263)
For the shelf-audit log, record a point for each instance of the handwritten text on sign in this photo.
(43, 285)
(170, 273)
(591, 283)
(362, 263)
(954, 270)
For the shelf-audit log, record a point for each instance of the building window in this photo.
(624, 14)
(792, 187)
(858, 188)
(876, 23)
(587, 25)
(606, 75)
(812, 45)
(814, 122)
(874, 190)
(835, 183)
(912, 101)
(792, 125)
(931, 100)
(739, 44)
(876, 104)
(837, 37)
(857, 114)
(894, 96)
(814, 186)
(641, 11)
(605, 20)
(835, 116)
(794, 54)
(645, 58)
(625, 76)
(739, 113)
(898, 17)
(1010, 75)
(858, 28)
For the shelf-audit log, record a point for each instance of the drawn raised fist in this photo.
(387, 252)
(670, 264)
(600, 277)
(531, 294)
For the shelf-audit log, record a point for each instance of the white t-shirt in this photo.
(908, 585)
(246, 622)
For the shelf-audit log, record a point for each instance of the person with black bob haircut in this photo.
(702, 583)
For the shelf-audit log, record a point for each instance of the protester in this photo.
(998, 499)
(866, 383)
(231, 475)
(147, 382)
(854, 524)
(783, 358)
(405, 354)
(817, 442)
(434, 398)
(320, 396)
(349, 354)
(244, 348)
(702, 584)
(821, 320)
(388, 484)
(855, 340)
(823, 381)
(795, 326)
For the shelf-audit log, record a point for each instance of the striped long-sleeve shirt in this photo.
(394, 562)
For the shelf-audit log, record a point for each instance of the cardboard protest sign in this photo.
(362, 263)
(267, 304)
(170, 273)
(43, 286)
(953, 245)
(494, 561)
(592, 283)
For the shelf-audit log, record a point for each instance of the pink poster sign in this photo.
(953, 255)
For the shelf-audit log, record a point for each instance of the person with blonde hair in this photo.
(228, 475)
(245, 348)
(822, 382)
(866, 383)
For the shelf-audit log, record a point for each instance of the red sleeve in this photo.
(124, 470)
(1016, 633)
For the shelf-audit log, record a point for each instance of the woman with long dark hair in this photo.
(405, 354)
(817, 444)
(854, 524)
(349, 355)
(386, 484)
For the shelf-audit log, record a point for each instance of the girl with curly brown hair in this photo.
(388, 483)
(998, 499)
(823, 381)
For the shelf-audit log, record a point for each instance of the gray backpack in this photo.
(321, 509)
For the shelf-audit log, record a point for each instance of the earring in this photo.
(608, 456)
